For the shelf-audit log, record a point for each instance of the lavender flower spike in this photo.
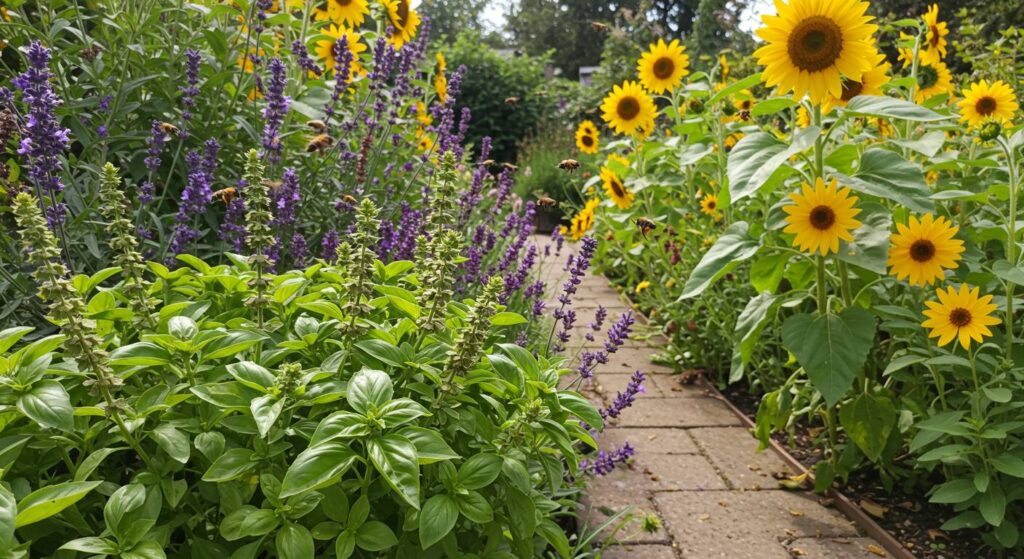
(276, 109)
(43, 139)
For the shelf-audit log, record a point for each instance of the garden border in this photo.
(842, 503)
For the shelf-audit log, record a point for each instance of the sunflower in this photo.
(934, 47)
(732, 139)
(420, 111)
(663, 66)
(820, 216)
(325, 49)
(403, 19)
(628, 108)
(351, 13)
(962, 315)
(723, 67)
(424, 143)
(615, 189)
(921, 250)
(709, 205)
(932, 79)
(587, 137)
(813, 44)
(870, 83)
(584, 220)
(441, 88)
(744, 103)
(803, 117)
(987, 101)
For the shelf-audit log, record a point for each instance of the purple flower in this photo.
(342, 73)
(299, 250)
(195, 199)
(275, 110)
(155, 146)
(302, 55)
(329, 245)
(606, 461)
(43, 139)
(625, 399)
(598, 322)
(232, 229)
(559, 239)
(619, 332)
(191, 91)
(285, 203)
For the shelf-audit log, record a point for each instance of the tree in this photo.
(448, 18)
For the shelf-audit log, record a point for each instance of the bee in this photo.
(272, 184)
(598, 26)
(512, 100)
(546, 201)
(318, 125)
(169, 129)
(645, 225)
(320, 142)
(225, 195)
(569, 165)
(510, 167)
(489, 163)
(349, 199)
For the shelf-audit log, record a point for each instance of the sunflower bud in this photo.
(695, 106)
(990, 130)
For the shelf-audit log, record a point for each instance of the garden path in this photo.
(696, 467)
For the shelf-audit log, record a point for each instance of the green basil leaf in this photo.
(316, 466)
(437, 518)
(395, 458)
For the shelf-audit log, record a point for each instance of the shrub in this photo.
(236, 413)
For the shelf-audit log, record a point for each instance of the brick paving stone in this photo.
(639, 552)
(734, 451)
(648, 440)
(660, 472)
(833, 548)
(595, 505)
(746, 524)
(678, 412)
(613, 383)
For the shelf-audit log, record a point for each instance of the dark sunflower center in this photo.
(927, 77)
(922, 250)
(815, 44)
(663, 68)
(587, 141)
(712, 204)
(617, 188)
(933, 36)
(985, 106)
(851, 89)
(403, 13)
(628, 108)
(343, 3)
(746, 104)
(822, 217)
(959, 317)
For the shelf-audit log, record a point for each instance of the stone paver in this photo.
(650, 440)
(639, 552)
(599, 507)
(734, 452)
(747, 524)
(696, 466)
(834, 548)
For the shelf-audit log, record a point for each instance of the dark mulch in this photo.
(911, 519)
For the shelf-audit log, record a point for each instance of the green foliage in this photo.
(506, 93)
(293, 440)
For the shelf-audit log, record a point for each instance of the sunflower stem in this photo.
(1011, 239)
